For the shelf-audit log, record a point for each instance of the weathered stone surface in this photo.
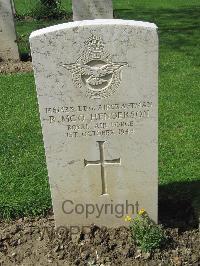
(97, 91)
(92, 9)
(8, 45)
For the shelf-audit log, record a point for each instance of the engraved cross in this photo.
(102, 162)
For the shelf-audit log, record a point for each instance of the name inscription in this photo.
(101, 120)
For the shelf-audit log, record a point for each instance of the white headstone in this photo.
(97, 91)
(8, 44)
(92, 9)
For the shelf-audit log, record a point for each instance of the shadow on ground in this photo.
(179, 205)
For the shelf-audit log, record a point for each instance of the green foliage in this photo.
(50, 9)
(24, 7)
(147, 235)
(52, 4)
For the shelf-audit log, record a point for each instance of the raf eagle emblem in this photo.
(94, 70)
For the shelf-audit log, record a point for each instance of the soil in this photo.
(7, 67)
(34, 241)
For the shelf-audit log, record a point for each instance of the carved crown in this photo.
(95, 44)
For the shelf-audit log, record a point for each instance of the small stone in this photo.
(138, 254)
(61, 255)
(194, 257)
(36, 230)
(107, 259)
(177, 261)
(85, 255)
(146, 255)
(14, 229)
(27, 230)
(14, 243)
(174, 252)
(5, 236)
(49, 255)
(56, 248)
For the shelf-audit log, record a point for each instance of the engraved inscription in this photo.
(95, 71)
(102, 162)
(99, 120)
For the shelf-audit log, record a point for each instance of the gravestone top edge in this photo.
(95, 22)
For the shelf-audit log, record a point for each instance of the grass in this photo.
(23, 176)
(24, 186)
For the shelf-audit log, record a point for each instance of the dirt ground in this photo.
(7, 67)
(34, 241)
